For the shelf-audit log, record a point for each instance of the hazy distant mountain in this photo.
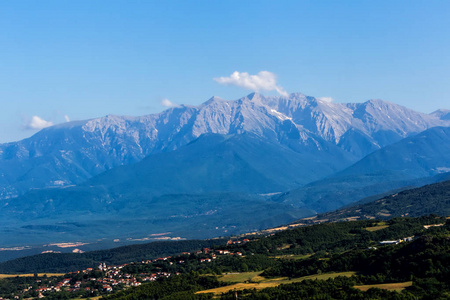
(213, 163)
(443, 114)
(409, 162)
(421, 155)
(70, 153)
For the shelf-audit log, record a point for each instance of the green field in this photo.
(241, 277)
(380, 226)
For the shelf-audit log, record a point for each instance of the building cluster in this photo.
(113, 278)
(405, 239)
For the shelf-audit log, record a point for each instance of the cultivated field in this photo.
(381, 225)
(253, 280)
(292, 256)
(398, 286)
(30, 275)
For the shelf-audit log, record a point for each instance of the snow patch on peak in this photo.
(279, 115)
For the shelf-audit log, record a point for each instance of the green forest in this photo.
(336, 247)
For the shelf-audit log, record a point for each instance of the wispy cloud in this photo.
(167, 103)
(37, 122)
(264, 80)
(326, 99)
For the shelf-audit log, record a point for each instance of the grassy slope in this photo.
(252, 280)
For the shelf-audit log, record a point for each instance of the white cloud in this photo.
(326, 99)
(264, 80)
(66, 117)
(167, 103)
(38, 123)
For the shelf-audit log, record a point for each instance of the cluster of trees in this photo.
(335, 237)
(427, 256)
(223, 264)
(337, 288)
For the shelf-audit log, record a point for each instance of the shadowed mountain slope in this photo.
(422, 201)
(406, 163)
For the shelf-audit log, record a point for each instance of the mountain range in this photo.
(218, 168)
(70, 153)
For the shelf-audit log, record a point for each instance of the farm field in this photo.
(30, 275)
(380, 226)
(292, 256)
(253, 280)
(398, 286)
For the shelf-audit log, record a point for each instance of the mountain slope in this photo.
(409, 162)
(211, 164)
(178, 191)
(215, 163)
(422, 201)
(424, 154)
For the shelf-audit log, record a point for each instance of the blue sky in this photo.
(71, 60)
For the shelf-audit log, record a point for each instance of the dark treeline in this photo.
(223, 264)
(337, 288)
(425, 256)
(429, 199)
(66, 262)
(177, 287)
(335, 237)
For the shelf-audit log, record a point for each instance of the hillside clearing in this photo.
(292, 256)
(241, 277)
(380, 226)
(266, 283)
(398, 286)
(30, 275)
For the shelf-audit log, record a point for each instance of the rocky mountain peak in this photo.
(442, 114)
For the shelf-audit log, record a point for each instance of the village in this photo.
(105, 279)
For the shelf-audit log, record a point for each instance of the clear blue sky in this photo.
(86, 59)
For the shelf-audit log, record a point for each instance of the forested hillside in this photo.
(429, 199)
(419, 268)
(66, 262)
(407, 258)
